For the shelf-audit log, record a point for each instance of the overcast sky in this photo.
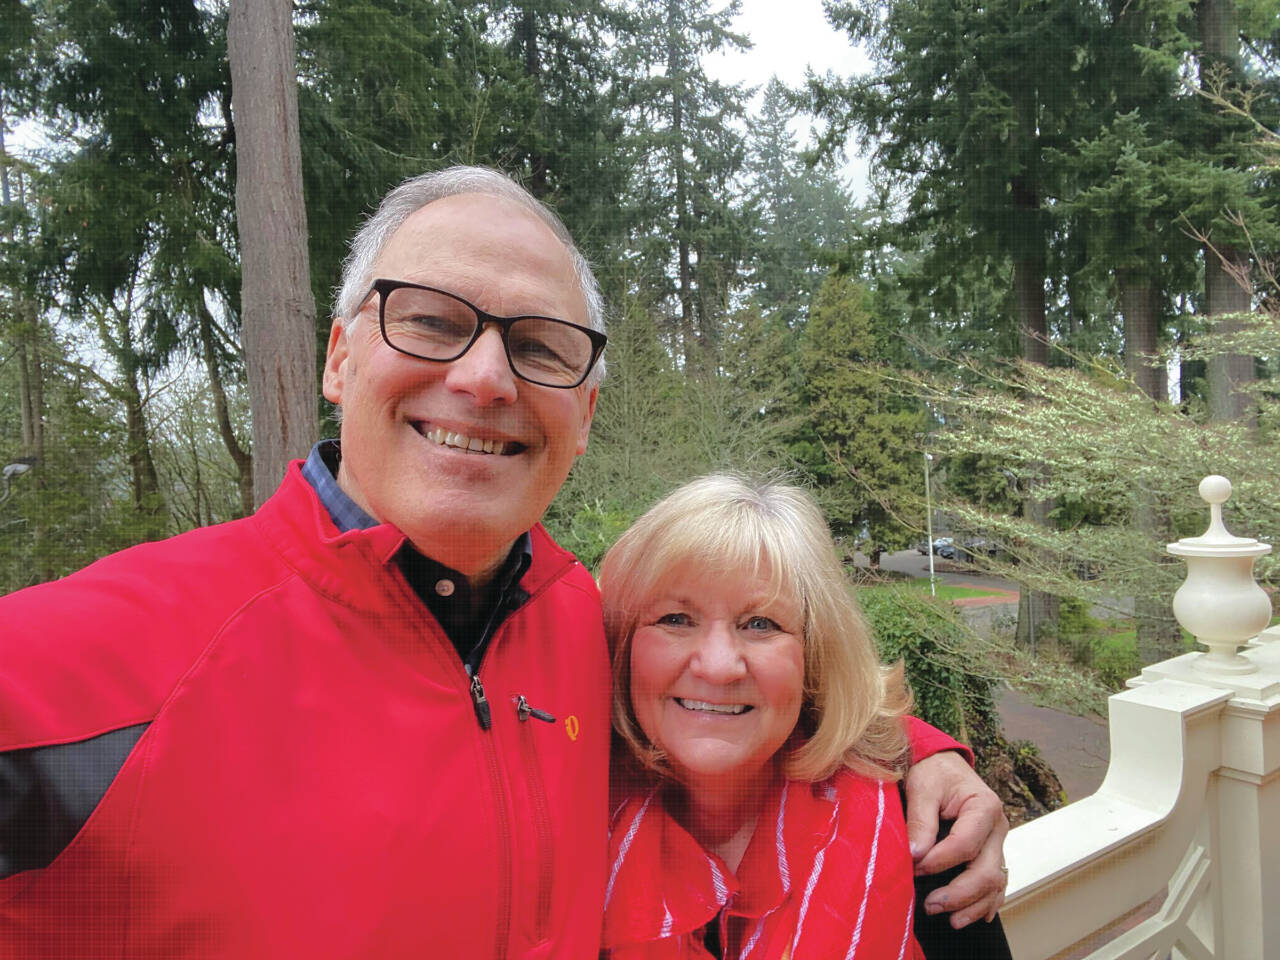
(787, 36)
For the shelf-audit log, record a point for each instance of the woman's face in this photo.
(717, 675)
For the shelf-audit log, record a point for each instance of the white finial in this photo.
(1220, 603)
(1215, 491)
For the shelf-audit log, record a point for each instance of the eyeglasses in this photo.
(431, 324)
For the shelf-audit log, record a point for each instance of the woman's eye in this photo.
(761, 623)
(674, 619)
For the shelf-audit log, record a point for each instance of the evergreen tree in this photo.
(801, 213)
(688, 232)
(869, 435)
(137, 200)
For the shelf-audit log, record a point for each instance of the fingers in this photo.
(977, 892)
(979, 821)
(926, 783)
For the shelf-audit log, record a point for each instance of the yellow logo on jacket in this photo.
(571, 726)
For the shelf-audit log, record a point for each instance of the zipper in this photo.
(524, 711)
(541, 815)
(502, 932)
(483, 713)
(538, 793)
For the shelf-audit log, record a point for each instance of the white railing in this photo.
(1190, 806)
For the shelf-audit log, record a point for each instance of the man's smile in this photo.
(469, 444)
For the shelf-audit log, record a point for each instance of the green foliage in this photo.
(687, 227)
(73, 506)
(936, 650)
(591, 530)
(867, 435)
(656, 428)
(1115, 657)
(802, 212)
(944, 591)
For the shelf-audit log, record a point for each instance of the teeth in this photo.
(461, 441)
(733, 708)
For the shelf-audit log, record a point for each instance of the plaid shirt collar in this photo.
(321, 471)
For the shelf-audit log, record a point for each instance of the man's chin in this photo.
(464, 542)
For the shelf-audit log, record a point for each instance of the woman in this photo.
(757, 813)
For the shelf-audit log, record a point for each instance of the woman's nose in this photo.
(717, 658)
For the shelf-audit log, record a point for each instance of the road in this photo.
(1076, 747)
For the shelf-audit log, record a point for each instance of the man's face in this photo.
(406, 422)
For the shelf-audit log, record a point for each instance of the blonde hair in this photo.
(726, 524)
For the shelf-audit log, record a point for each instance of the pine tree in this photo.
(868, 435)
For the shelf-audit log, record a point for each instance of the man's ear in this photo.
(585, 430)
(335, 364)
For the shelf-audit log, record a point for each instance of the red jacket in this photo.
(827, 874)
(313, 780)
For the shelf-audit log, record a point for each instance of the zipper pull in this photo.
(524, 711)
(482, 705)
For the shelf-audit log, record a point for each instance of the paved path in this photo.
(1076, 747)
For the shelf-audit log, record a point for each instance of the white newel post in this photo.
(1223, 607)
(1191, 802)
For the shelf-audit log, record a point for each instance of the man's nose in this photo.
(483, 371)
(717, 658)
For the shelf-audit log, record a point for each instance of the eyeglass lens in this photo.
(436, 326)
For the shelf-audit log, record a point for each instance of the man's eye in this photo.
(537, 351)
(439, 326)
(763, 624)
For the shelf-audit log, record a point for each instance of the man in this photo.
(371, 720)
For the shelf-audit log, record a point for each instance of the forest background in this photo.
(1059, 287)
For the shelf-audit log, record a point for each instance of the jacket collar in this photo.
(358, 567)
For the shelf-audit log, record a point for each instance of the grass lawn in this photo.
(945, 590)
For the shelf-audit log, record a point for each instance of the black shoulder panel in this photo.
(47, 794)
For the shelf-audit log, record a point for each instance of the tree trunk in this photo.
(683, 227)
(278, 310)
(243, 458)
(528, 36)
(1227, 285)
(147, 500)
(1158, 634)
(1140, 305)
(1028, 286)
(27, 329)
(1226, 273)
(1036, 609)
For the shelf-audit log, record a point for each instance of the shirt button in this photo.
(444, 588)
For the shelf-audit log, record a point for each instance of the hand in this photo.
(944, 786)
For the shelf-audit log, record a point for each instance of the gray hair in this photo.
(414, 194)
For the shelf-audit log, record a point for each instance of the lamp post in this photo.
(15, 469)
(928, 521)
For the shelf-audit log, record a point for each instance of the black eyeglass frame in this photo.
(384, 287)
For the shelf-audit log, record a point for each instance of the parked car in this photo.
(922, 548)
(975, 545)
(944, 547)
